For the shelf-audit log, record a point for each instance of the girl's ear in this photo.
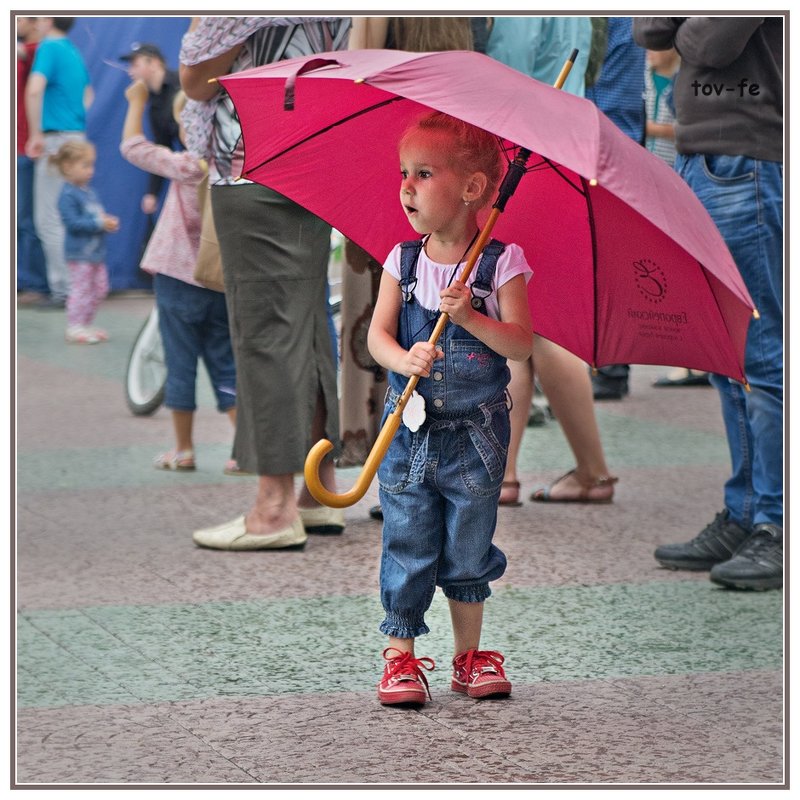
(475, 186)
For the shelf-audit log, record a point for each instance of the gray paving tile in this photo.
(122, 745)
(622, 731)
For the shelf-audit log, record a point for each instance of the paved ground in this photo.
(144, 660)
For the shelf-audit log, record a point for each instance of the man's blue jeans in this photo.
(744, 197)
(31, 267)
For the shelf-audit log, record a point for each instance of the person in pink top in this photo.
(193, 320)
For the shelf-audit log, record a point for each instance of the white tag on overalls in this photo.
(414, 412)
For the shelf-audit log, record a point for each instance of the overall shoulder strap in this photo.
(482, 285)
(409, 254)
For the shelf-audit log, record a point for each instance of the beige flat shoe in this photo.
(322, 520)
(233, 535)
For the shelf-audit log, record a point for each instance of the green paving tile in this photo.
(627, 442)
(147, 654)
(90, 468)
(544, 448)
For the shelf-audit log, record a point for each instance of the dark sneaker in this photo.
(609, 388)
(716, 543)
(403, 681)
(480, 674)
(757, 564)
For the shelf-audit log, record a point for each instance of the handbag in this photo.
(208, 269)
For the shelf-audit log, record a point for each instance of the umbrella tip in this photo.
(360, 80)
(747, 386)
(593, 182)
(756, 315)
(212, 80)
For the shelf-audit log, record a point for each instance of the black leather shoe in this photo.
(691, 378)
(376, 512)
(716, 543)
(757, 564)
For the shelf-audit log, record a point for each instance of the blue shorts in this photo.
(194, 324)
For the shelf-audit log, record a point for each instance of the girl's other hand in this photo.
(419, 359)
(457, 302)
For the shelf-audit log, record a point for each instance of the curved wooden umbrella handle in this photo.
(370, 468)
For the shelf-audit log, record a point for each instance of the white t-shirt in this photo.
(432, 277)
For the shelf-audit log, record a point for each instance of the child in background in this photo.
(193, 320)
(86, 225)
(441, 477)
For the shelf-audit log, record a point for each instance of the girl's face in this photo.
(431, 191)
(80, 170)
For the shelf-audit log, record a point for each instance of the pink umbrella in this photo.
(628, 265)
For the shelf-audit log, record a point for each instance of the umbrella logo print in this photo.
(650, 280)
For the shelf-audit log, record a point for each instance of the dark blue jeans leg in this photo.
(31, 267)
(744, 197)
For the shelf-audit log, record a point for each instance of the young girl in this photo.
(86, 225)
(193, 320)
(440, 482)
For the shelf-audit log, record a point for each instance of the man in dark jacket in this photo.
(146, 63)
(729, 138)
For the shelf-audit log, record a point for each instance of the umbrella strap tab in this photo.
(308, 66)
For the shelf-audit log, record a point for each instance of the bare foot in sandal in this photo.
(569, 488)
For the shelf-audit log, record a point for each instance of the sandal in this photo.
(511, 497)
(544, 494)
(78, 334)
(179, 460)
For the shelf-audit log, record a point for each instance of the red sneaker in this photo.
(479, 673)
(403, 680)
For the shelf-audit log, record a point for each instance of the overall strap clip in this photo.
(482, 285)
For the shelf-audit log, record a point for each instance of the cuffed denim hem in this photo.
(474, 593)
(403, 627)
(223, 409)
(179, 407)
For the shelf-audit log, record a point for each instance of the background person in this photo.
(730, 151)
(57, 95)
(363, 380)
(31, 268)
(275, 261)
(193, 320)
(146, 63)
(539, 47)
(85, 224)
(619, 94)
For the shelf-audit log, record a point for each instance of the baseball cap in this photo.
(143, 49)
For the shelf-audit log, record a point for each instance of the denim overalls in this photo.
(439, 486)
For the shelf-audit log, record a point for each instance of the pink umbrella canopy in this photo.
(628, 265)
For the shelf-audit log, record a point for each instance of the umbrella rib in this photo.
(593, 234)
(563, 176)
(325, 130)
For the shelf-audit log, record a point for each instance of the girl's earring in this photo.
(466, 202)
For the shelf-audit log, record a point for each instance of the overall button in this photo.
(437, 376)
(438, 402)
